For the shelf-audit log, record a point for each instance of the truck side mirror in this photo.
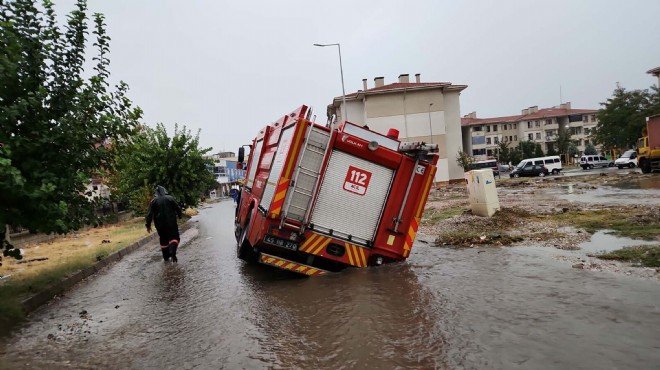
(241, 154)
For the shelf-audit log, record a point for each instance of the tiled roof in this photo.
(541, 113)
(404, 85)
(655, 71)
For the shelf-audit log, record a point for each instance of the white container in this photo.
(482, 192)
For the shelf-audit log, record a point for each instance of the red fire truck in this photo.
(316, 200)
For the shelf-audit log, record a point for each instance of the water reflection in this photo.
(378, 318)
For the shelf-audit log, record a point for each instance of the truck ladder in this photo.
(306, 179)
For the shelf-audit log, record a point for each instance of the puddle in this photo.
(607, 194)
(601, 241)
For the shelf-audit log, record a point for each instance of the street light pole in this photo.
(341, 71)
(430, 129)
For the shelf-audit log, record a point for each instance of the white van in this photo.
(627, 159)
(552, 163)
(591, 161)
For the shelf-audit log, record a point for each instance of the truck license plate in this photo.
(288, 244)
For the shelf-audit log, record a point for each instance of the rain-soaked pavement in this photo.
(509, 308)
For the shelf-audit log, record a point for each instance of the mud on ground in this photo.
(531, 215)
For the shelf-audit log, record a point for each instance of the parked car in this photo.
(591, 161)
(530, 169)
(627, 159)
(552, 163)
(488, 163)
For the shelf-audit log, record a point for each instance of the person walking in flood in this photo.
(163, 210)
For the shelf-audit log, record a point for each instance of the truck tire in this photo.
(631, 165)
(555, 172)
(591, 166)
(243, 247)
(645, 165)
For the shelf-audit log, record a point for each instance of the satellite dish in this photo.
(373, 145)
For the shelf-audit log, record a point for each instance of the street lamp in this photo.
(430, 129)
(341, 70)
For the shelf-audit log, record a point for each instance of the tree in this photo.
(573, 150)
(504, 151)
(564, 141)
(538, 151)
(623, 116)
(590, 149)
(515, 156)
(152, 158)
(551, 149)
(464, 160)
(528, 149)
(53, 121)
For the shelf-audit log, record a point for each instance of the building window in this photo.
(476, 128)
(487, 128)
(478, 140)
(537, 123)
(487, 141)
(587, 130)
(585, 118)
(548, 122)
(496, 140)
(478, 151)
(586, 142)
(515, 137)
(515, 126)
(505, 139)
(538, 136)
(529, 124)
(593, 118)
(494, 127)
(530, 136)
(510, 138)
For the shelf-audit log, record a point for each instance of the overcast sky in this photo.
(229, 68)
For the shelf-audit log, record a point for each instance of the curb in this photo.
(32, 303)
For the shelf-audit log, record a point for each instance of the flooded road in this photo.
(510, 308)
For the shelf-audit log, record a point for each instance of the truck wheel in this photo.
(555, 171)
(610, 164)
(591, 166)
(631, 165)
(243, 247)
(645, 165)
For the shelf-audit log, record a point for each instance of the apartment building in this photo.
(482, 136)
(421, 111)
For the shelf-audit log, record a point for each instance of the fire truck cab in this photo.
(317, 200)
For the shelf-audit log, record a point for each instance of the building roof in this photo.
(541, 113)
(655, 71)
(401, 86)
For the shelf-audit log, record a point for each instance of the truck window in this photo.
(549, 161)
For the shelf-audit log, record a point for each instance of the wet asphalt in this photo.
(509, 308)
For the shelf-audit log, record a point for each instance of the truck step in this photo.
(285, 264)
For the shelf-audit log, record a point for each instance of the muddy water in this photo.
(514, 308)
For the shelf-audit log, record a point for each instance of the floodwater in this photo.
(605, 241)
(640, 191)
(509, 308)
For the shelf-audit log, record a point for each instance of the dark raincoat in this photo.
(164, 210)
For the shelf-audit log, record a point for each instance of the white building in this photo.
(421, 111)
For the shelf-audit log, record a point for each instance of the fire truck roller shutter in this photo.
(348, 212)
(278, 163)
